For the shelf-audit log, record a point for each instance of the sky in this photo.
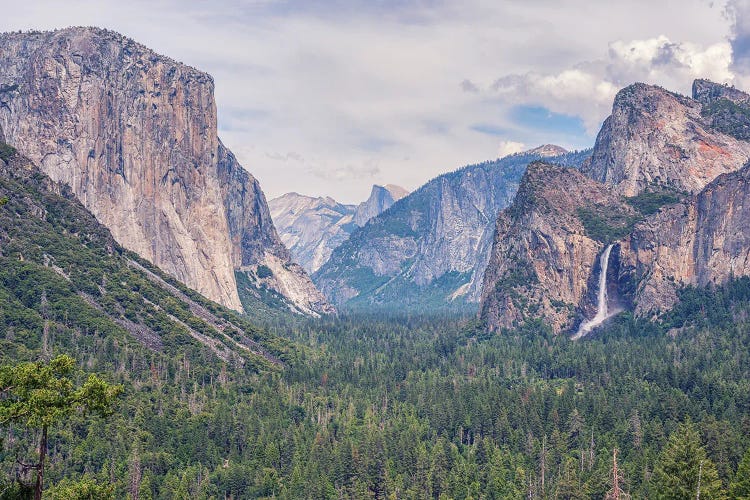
(326, 98)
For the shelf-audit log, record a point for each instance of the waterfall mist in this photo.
(602, 309)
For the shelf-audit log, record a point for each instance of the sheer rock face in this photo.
(313, 227)
(655, 137)
(134, 135)
(543, 263)
(701, 241)
(430, 249)
(381, 198)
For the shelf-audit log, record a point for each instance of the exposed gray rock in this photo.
(543, 259)
(655, 145)
(313, 227)
(658, 138)
(701, 241)
(430, 249)
(381, 198)
(134, 135)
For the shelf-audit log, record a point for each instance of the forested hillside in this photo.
(398, 407)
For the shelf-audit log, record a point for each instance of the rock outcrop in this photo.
(546, 246)
(430, 249)
(701, 241)
(665, 186)
(725, 108)
(381, 198)
(313, 227)
(134, 135)
(655, 138)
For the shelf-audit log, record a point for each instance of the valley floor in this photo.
(425, 407)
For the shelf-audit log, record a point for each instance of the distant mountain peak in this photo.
(312, 227)
(547, 150)
(380, 200)
(397, 192)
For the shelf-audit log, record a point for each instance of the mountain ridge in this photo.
(429, 250)
(134, 134)
(672, 221)
(312, 227)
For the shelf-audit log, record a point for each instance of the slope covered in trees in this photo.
(430, 407)
(363, 406)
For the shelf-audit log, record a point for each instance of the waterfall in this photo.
(602, 311)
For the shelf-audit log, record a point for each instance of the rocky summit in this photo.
(544, 256)
(665, 189)
(381, 198)
(655, 138)
(430, 249)
(134, 135)
(313, 227)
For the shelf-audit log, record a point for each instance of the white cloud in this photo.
(510, 147)
(392, 91)
(587, 89)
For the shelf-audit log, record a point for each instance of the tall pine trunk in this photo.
(40, 466)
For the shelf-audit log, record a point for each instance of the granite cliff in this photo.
(545, 249)
(313, 227)
(134, 135)
(703, 240)
(665, 186)
(656, 138)
(381, 198)
(430, 249)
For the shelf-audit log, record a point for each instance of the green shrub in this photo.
(649, 202)
(264, 271)
(606, 224)
(6, 151)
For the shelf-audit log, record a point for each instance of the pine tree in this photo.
(684, 471)
(616, 492)
(40, 395)
(740, 487)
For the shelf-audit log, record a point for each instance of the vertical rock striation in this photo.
(430, 249)
(666, 188)
(655, 138)
(313, 227)
(701, 241)
(134, 135)
(544, 258)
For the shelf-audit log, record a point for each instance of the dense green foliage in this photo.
(608, 223)
(62, 272)
(423, 407)
(729, 117)
(649, 202)
(6, 151)
(365, 406)
(605, 223)
(43, 394)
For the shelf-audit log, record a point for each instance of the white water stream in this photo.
(602, 311)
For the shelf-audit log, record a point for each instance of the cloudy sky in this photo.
(329, 97)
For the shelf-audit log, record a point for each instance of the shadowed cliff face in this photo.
(430, 249)
(544, 257)
(134, 135)
(701, 241)
(666, 185)
(658, 138)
